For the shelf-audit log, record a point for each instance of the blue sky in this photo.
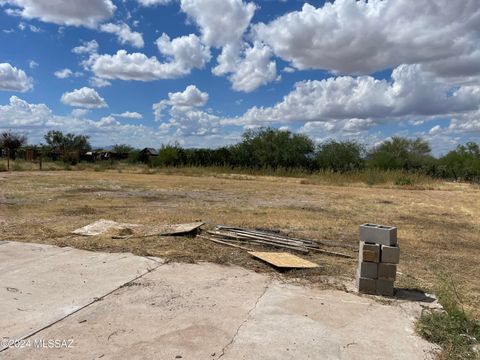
(200, 72)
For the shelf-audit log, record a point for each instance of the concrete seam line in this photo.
(96, 299)
(224, 350)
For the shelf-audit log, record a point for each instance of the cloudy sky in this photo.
(200, 72)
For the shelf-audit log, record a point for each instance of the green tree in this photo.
(463, 162)
(268, 147)
(12, 141)
(60, 142)
(340, 155)
(401, 153)
(122, 149)
(170, 155)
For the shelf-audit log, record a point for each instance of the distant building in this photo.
(149, 152)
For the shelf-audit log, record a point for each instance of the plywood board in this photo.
(283, 260)
(102, 226)
(168, 229)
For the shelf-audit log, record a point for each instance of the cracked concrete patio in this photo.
(121, 306)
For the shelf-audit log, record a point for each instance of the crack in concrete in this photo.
(249, 315)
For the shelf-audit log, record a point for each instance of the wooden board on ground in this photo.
(168, 229)
(283, 260)
(135, 230)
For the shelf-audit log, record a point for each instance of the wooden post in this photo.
(40, 161)
(8, 159)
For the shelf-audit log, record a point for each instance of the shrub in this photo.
(404, 180)
(340, 156)
(401, 153)
(16, 166)
(375, 177)
(455, 330)
(273, 148)
(462, 163)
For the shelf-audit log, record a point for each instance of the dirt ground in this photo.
(438, 229)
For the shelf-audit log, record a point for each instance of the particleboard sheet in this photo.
(168, 229)
(283, 260)
(102, 226)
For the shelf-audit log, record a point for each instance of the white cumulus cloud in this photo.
(361, 37)
(66, 73)
(13, 79)
(254, 70)
(84, 98)
(63, 74)
(32, 64)
(183, 54)
(34, 120)
(363, 102)
(129, 115)
(185, 116)
(124, 33)
(63, 12)
(221, 22)
(189, 98)
(87, 47)
(98, 82)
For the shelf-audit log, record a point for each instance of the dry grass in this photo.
(366, 177)
(438, 229)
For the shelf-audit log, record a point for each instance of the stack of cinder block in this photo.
(379, 255)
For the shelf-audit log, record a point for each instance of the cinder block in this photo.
(390, 254)
(387, 271)
(385, 287)
(378, 234)
(368, 270)
(369, 252)
(367, 286)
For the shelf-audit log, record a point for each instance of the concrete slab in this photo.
(41, 284)
(291, 322)
(188, 311)
(184, 310)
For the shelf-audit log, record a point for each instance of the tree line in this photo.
(269, 148)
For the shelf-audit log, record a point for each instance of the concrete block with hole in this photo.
(378, 234)
(366, 286)
(369, 252)
(387, 271)
(368, 270)
(390, 254)
(385, 287)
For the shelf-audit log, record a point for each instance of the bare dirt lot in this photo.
(438, 228)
